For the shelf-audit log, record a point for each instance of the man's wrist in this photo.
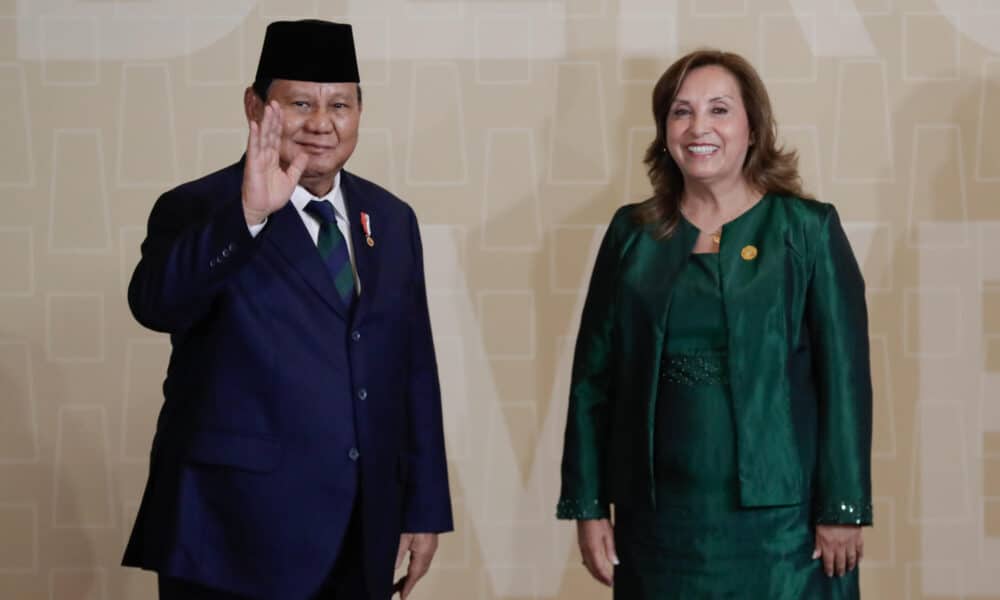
(254, 217)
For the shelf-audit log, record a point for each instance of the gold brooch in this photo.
(748, 252)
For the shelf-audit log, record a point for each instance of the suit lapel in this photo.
(288, 235)
(366, 258)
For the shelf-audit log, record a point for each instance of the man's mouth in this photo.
(315, 148)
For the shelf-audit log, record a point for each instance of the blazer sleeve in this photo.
(188, 255)
(584, 492)
(427, 500)
(837, 321)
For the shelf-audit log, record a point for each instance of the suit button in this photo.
(362, 394)
(212, 263)
(353, 454)
(356, 335)
(225, 252)
(232, 247)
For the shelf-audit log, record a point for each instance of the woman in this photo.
(721, 394)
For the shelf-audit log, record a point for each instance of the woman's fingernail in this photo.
(615, 561)
(816, 554)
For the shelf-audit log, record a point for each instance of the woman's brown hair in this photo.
(768, 167)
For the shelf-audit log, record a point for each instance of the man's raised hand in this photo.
(266, 185)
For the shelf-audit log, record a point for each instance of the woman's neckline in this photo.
(745, 212)
(722, 227)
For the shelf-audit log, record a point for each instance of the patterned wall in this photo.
(514, 127)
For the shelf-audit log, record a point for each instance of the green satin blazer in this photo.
(798, 363)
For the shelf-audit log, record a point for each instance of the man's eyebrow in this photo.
(299, 92)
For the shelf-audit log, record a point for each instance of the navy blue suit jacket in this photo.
(282, 410)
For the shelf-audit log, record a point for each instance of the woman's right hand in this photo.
(597, 545)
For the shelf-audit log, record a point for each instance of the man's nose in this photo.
(320, 122)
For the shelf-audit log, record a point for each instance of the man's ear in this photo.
(253, 106)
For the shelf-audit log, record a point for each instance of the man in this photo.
(299, 452)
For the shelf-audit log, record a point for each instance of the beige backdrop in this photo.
(514, 128)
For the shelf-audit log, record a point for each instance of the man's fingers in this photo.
(405, 540)
(421, 548)
(275, 126)
(253, 140)
(419, 565)
(270, 139)
(267, 128)
(397, 588)
(297, 167)
(400, 554)
(408, 584)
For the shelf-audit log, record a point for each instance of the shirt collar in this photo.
(301, 197)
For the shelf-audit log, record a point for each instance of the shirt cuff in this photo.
(255, 229)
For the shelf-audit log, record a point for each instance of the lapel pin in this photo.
(366, 225)
(748, 252)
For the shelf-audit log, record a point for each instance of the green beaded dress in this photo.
(699, 544)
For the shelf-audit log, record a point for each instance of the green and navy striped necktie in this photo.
(333, 248)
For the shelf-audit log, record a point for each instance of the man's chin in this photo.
(319, 169)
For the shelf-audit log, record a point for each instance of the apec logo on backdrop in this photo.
(88, 29)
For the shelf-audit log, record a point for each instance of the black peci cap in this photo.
(308, 50)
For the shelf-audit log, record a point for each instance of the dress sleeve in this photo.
(583, 494)
(837, 320)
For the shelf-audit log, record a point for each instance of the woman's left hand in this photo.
(840, 547)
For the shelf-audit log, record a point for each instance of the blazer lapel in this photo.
(286, 233)
(366, 258)
(660, 261)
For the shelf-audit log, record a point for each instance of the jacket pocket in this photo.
(240, 451)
